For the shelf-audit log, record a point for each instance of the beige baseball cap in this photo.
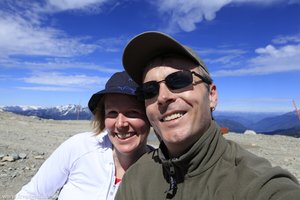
(148, 45)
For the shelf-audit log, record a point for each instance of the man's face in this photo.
(181, 116)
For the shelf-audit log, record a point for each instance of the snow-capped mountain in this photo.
(267, 123)
(65, 112)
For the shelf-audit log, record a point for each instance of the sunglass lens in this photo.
(150, 89)
(174, 81)
(178, 80)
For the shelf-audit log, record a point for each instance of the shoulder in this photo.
(146, 163)
(244, 160)
(89, 139)
(242, 157)
(83, 143)
(256, 174)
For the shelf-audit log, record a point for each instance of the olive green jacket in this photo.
(212, 169)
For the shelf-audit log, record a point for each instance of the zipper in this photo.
(170, 193)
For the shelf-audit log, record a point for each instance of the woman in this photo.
(91, 165)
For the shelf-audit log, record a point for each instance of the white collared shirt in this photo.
(82, 166)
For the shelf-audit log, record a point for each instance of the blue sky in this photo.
(57, 52)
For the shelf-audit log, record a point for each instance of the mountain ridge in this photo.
(239, 122)
(64, 112)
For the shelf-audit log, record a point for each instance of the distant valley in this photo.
(265, 123)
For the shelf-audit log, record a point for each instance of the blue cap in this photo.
(120, 83)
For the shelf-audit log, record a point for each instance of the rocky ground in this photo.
(31, 137)
(281, 151)
(25, 143)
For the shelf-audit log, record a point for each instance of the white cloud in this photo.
(286, 39)
(222, 56)
(23, 30)
(20, 37)
(75, 4)
(278, 59)
(293, 1)
(51, 89)
(282, 52)
(25, 33)
(55, 81)
(184, 15)
(221, 51)
(270, 59)
(59, 79)
(59, 82)
(4, 77)
(56, 64)
(111, 44)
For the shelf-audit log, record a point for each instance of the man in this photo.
(194, 160)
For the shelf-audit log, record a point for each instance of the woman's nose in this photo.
(121, 121)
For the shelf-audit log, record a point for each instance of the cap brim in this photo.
(145, 46)
(94, 100)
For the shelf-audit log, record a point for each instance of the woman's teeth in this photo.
(124, 136)
(172, 116)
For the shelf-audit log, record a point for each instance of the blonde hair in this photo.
(98, 123)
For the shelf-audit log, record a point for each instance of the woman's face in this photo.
(126, 122)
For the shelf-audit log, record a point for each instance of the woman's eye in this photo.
(111, 114)
(133, 114)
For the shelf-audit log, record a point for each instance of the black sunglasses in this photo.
(173, 81)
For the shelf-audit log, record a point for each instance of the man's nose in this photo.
(164, 94)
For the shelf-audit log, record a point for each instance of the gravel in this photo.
(25, 143)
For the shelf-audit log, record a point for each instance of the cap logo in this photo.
(126, 88)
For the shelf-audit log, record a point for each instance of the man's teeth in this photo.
(124, 136)
(172, 116)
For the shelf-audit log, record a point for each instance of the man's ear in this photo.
(213, 96)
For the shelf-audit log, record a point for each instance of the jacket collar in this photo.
(201, 156)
